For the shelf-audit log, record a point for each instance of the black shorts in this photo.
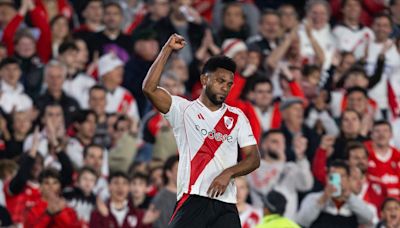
(202, 212)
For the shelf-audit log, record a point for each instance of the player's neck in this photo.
(210, 105)
(381, 149)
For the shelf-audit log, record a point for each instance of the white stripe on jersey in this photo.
(192, 123)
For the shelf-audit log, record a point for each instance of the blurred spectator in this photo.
(51, 209)
(92, 13)
(22, 192)
(97, 103)
(55, 74)
(81, 197)
(21, 123)
(119, 99)
(383, 164)
(249, 215)
(234, 23)
(351, 35)
(60, 33)
(138, 189)
(31, 65)
(316, 40)
(269, 34)
(157, 10)
(38, 19)
(394, 7)
(145, 52)
(3, 51)
(13, 98)
(165, 200)
(124, 144)
(289, 17)
(274, 207)
(53, 8)
(323, 209)
(111, 39)
(95, 156)
(8, 169)
(187, 22)
(357, 184)
(77, 83)
(382, 28)
(275, 173)
(297, 134)
(390, 212)
(119, 211)
(85, 125)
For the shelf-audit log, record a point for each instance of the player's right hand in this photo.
(176, 42)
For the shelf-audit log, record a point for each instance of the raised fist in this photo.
(176, 42)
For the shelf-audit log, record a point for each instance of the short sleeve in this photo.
(245, 134)
(175, 112)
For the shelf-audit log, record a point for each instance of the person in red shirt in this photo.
(51, 210)
(22, 192)
(383, 161)
(119, 211)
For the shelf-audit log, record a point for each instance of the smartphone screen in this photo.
(335, 180)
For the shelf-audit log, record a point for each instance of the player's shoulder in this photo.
(235, 110)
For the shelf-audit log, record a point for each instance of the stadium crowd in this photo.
(319, 81)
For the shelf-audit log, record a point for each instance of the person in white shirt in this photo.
(275, 173)
(351, 35)
(316, 26)
(382, 27)
(119, 99)
(12, 96)
(250, 216)
(76, 84)
(208, 133)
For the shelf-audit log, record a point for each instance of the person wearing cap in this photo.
(145, 52)
(335, 206)
(295, 130)
(119, 99)
(274, 207)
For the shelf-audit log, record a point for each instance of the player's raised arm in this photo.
(158, 96)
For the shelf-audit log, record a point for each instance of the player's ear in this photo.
(203, 79)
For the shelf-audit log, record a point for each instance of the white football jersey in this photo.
(208, 143)
(121, 99)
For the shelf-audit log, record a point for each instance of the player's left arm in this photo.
(250, 162)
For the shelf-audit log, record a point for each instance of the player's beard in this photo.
(213, 97)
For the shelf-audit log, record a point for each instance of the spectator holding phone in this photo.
(336, 206)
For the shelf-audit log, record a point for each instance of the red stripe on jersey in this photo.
(206, 153)
(126, 100)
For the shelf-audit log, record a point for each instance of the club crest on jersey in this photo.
(228, 122)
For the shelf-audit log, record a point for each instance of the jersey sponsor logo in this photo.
(390, 179)
(217, 136)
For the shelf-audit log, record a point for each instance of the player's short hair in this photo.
(219, 61)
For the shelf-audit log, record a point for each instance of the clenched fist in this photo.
(176, 42)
